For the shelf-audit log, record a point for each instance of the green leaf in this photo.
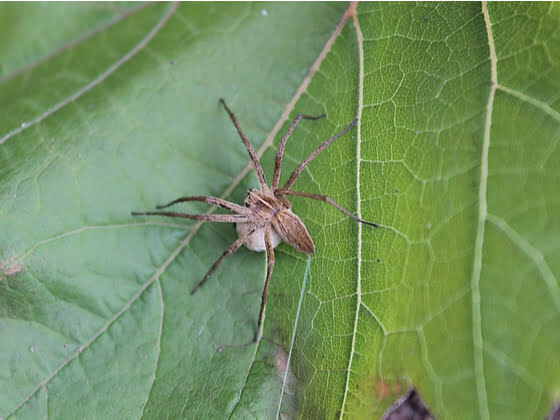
(456, 156)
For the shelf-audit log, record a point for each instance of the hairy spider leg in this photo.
(269, 267)
(232, 248)
(210, 200)
(330, 201)
(224, 218)
(255, 162)
(282, 145)
(319, 149)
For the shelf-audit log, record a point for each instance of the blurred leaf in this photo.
(116, 109)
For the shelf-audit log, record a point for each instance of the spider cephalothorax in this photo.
(274, 210)
(266, 219)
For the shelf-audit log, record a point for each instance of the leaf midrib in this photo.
(360, 43)
(480, 381)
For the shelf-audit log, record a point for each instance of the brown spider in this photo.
(267, 218)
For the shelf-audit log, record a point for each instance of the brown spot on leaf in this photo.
(382, 389)
(281, 362)
(14, 269)
(9, 268)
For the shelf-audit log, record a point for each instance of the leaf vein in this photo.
(534, 254)
(481, 391)
(360, 42)
(114, 67)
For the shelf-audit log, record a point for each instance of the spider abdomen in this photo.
(256, 241)
(292, 230)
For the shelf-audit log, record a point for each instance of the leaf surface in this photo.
(455, 156)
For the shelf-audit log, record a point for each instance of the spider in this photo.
(266, 219)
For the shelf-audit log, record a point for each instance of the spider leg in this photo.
(224, 218)
(232, 248)
(269, 267)
(210, 200)
(255, 162)
(319, 149)
(282, 145)
(330, 201)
